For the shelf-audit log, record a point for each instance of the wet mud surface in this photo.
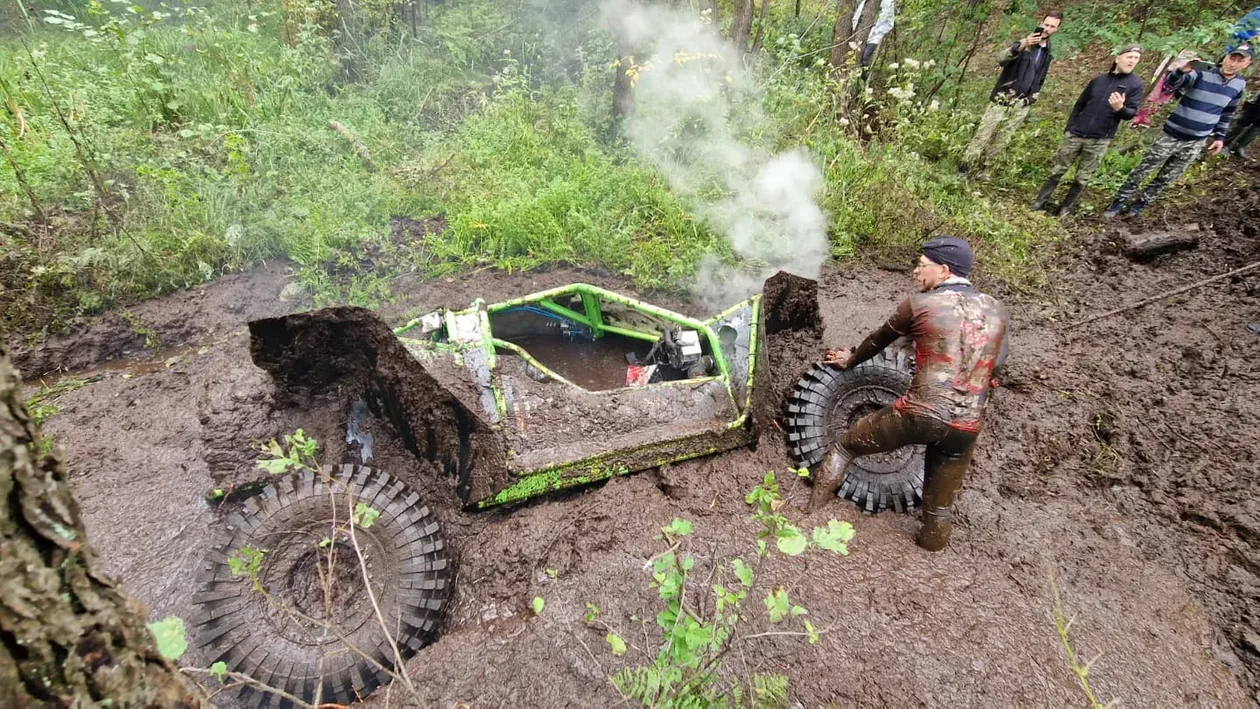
(1119, 460)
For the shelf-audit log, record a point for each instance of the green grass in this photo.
(209, 132)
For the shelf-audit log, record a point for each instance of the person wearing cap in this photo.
(1108, 99)
(1209, 99)
(959, 338)
(1025, 65)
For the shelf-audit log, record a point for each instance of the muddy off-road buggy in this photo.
(511, 400)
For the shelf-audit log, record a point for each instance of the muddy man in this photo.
(959, 340)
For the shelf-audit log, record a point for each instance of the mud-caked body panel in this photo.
(353, 351)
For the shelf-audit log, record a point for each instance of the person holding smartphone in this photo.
(1108, 99)
(1209, 98)
(1024, 67)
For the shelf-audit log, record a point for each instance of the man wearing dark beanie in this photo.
(959, 341)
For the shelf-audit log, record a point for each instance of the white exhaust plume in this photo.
(696, 115)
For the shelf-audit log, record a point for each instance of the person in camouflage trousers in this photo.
(1208, 102)
(1024, 67)
(1108, 100)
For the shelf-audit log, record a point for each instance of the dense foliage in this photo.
(154, 146)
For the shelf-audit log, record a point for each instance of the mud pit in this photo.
(1120, 458)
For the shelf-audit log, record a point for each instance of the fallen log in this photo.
(1144, 246)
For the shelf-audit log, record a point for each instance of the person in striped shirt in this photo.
(1209, 99)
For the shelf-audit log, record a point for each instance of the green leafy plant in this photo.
(538, 604)
(169, 634)
(297, 453)
(365, 515)
(696, 636)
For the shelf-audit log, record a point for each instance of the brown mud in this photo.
(1119, 460)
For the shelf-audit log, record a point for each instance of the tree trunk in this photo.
(761, 26)
(741, 24)
(68, 635)
(842, 34)
(870, 11)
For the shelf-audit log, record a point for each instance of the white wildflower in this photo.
(912, 63)
(894, 66)
(934, 106)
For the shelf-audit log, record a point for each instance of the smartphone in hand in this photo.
(1201, 65)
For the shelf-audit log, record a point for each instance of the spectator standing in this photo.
(1108, 99)
(1024, 67)
(1208, 102)
(1245, 130)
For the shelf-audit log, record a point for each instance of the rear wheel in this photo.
(285, 598)
(827, 401)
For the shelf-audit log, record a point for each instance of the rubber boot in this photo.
(1238, 145)
(937, 524)
(830, 476)
(1047, 189)
(1069, 200)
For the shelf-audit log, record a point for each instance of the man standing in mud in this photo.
(1209, 97)
(959, 337)
(1024, 67)
(1108, 99)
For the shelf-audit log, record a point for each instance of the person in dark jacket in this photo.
(1209, 99)
(1245, 129)
(1024, 67)
(960, 346)
(1107, 100)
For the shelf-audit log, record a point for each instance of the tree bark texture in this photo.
(842, 34)
(69, 637)
(870, 11)
(741, 24)
(761, 26)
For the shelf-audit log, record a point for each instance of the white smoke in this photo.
(697, 113)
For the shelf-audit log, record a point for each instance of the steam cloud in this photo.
(696, 115)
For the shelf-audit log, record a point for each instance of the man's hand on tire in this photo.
(839, 359)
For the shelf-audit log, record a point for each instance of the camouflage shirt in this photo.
(959, 338)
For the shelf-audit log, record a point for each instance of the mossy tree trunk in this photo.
(69, 636)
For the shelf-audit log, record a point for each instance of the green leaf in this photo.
(552, 573)
(592, 612)
(743, 572)
(813, 634)
(618, 645)
(365, 515)
(678, 528)
(219, 670)
(539, 603)
(791, 541)
(799, 610)
(834, 536)
(777, 604)
(169, 633)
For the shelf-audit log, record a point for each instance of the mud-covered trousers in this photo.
(948, 455)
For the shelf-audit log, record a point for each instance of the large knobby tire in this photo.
(827, 401)
(276, 632)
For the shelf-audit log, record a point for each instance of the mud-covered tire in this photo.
(279, 637)
(827, 401)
